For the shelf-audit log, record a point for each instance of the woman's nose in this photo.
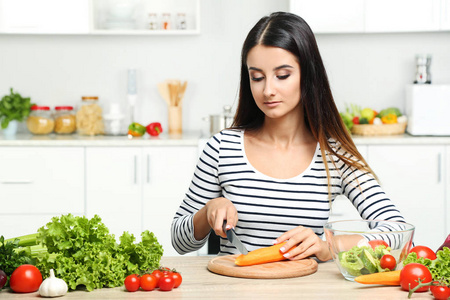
(269, 89)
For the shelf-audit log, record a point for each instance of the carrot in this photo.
(385, 278)
(261, 256)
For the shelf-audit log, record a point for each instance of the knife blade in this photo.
(234, 240)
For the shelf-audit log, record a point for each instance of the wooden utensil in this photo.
(224, 265)
(163, 89)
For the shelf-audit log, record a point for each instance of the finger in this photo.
(288, 235)
(218, 225)
(232, 218)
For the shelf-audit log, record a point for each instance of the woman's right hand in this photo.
(218, 210)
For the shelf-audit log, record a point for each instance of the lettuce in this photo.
(439, 268)
(83, 253)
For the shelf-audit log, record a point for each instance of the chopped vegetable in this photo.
(53, 286)
(136, 129)
(363, 260)
(154, 129)
(261, 256)
(384, 278)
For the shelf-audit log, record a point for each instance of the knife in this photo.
(233, 238)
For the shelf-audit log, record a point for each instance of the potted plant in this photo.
(13, 108)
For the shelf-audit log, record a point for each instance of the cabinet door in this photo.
(330, 16)
(402, 15)
(167, 175)
(411, 175)
(44, 16)
(113, 188)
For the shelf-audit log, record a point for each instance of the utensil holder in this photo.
(175, 120)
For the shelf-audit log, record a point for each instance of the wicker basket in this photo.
(383, 129)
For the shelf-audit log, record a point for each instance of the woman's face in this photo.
(274, 80)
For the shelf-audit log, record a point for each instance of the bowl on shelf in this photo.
(357, 246)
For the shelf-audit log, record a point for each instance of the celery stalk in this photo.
(25, 240)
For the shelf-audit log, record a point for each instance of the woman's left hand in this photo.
(301, 243)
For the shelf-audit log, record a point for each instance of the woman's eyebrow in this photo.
(274, 69)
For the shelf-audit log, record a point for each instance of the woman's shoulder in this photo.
(228, 134)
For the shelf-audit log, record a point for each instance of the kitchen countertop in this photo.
(199, 283)
(189, 139)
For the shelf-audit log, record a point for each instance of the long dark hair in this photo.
(290, 32)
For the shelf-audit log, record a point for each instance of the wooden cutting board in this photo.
(224, 265)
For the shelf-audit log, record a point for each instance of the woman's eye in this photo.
(283, 76)
(257, 78)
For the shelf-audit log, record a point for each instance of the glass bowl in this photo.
(358, 245)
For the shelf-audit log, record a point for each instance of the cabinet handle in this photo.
(18, 182)
(148, 168)
(135, 169)
(439, 168)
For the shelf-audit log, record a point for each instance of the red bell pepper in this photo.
(136, 129)
(154, 129)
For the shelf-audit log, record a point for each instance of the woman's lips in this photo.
(272, 103)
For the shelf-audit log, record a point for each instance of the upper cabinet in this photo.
(359, 16)
(44, 16)
(124, 17)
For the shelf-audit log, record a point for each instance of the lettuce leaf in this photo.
(83, 253)
(439, 268)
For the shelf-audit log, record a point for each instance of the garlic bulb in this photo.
(52, 286)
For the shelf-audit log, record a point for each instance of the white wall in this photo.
(370, 69)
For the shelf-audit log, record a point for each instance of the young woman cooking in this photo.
(274, 175)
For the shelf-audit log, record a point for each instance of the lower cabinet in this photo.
(38, 183)
(138, 188)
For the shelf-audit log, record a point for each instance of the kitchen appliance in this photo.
(427, 108)
(115, 121)
(423, 62)
(234, 240)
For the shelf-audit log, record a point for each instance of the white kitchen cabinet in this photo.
(114, 188)
(447, 194)
(370, 16)
(331, 16)
(138, 188)
(44, 16)
(402, 15)
(167, 176)
(37, 183)
(412, 176)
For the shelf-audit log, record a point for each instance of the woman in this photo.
(274, 175)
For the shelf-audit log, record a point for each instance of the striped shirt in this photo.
(266, 206)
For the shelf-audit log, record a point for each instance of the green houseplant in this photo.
(14, 107)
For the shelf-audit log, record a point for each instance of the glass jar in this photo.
(152, 21)
(181, 21)
(165, 21)
(65, 121)
(89, 117)
(40, 120)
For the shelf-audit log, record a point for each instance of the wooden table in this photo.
(199, 283)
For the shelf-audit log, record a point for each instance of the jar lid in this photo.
(89, 98)
(36, 107)
(63, 107)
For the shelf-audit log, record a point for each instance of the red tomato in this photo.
(148, 282)
(376, 243)
(388, 262)
(132, 283)
(423, 251)
(166, 283)
(177, 279)
(158, 274)
(410, 275)
(25, 279)
(440, 292)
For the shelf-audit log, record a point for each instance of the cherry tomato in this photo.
(25, 279)
(375, 243)
(176, 278)
(440, 292)
(148, 282)
(166, 283)
(423, 251)
(158, 274)
(132, 283)
(410, 275)
(387, 261)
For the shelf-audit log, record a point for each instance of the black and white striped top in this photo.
(268, 207)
